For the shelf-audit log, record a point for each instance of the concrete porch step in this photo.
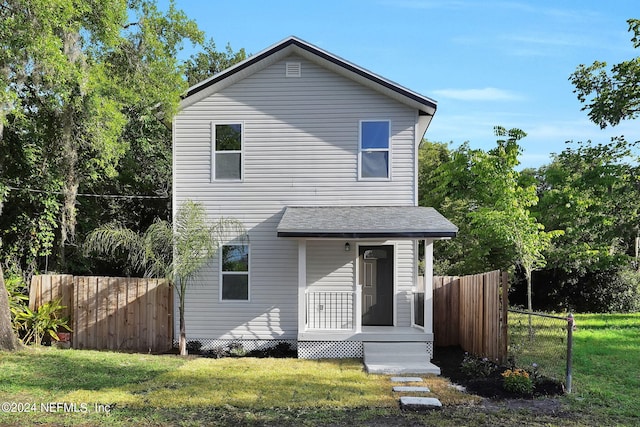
(398, 358)
(391, 368)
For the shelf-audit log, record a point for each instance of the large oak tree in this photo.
(77, 74)
(610, 95)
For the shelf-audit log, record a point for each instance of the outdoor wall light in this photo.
(347, 247)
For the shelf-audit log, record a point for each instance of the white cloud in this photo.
(485, 94)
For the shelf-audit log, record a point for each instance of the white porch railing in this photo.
(331, 310)
(418, 308)
(417, 301)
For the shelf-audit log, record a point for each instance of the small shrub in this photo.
(534, 374)
(42, 324)
(476, 367)
(517, 381)
(280, 350)
(236, 349)
(18, 300)
(194, 347)
(216, 353)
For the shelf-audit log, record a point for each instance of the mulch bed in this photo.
(449, 360)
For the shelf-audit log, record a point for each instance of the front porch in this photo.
(343, 312)
(358, 279)
(384, 349)
(369, 334)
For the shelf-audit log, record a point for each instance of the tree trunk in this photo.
(529, 304)
(183, 330)
(73, 52)
(8, 339)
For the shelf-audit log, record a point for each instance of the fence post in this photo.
(570, 326)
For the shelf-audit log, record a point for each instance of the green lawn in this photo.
(104, 388)
(606, 363)
(606, 360)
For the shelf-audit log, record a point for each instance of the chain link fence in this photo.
(542, 341)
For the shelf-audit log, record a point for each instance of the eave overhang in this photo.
(365, 222)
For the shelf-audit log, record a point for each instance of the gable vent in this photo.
(294, 69)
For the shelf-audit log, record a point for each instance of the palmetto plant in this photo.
(173, 252)
(46, 320)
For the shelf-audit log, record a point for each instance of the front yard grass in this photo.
(606, 366)
(161, 390)
(170, 390)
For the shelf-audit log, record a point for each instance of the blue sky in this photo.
(486, 63)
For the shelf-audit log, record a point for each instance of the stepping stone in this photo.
(411, 389)
(406, 379)
(419, 403)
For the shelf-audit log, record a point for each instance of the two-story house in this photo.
(318, 158)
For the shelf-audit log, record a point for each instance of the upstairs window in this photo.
(374, 153)
(234, 272)
(227, 151)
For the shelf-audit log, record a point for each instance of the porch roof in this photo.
(353, 222)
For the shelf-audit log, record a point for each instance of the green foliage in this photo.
(29, 220)
(90, 92)
(614, 290)
(205, 64)
(517, 381)
(477, 367)
(45, 322)
(485, 196)
(78, 76)
(150, 252)
(590, 191)
(610, 95)
(18, 299)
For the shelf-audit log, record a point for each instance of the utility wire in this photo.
(106, 196)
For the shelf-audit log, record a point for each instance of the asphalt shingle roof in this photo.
(365, 222)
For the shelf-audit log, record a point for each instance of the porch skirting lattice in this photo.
(330, 349)
(430, 349)
(306, 349)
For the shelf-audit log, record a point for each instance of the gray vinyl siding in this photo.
(300, 148)
(329, 267)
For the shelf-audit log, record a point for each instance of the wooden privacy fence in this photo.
(111, 313)
(471, 311)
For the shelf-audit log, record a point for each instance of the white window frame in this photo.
(214, 151)
(361, 150)
(221, 274)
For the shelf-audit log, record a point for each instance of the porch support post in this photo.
(302, 285)
(358, 305)
(428, 286)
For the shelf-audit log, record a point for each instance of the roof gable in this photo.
(293, 45)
